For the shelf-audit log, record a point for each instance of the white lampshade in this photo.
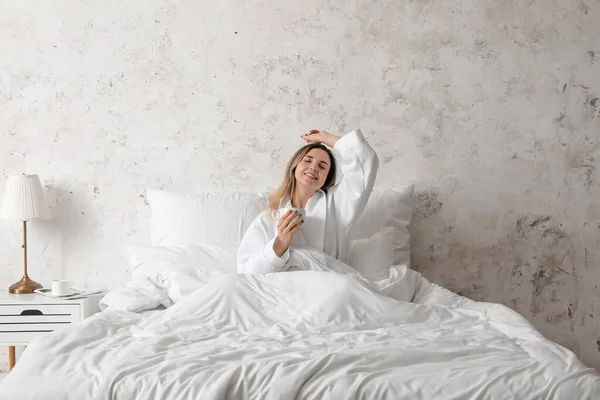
(24, 199)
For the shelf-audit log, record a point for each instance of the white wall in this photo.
(491, 108)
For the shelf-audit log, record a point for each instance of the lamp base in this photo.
(24, 286)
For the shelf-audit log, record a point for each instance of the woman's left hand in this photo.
(319, 136)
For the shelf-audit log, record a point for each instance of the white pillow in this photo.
(385, 208)
(192, 219)
(178, 270)
(180, 219)
(374, 256)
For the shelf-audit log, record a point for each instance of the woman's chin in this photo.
(308, 183)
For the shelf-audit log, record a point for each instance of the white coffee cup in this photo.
(277, 214)
(59, 287)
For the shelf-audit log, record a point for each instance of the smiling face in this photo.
(313, 168)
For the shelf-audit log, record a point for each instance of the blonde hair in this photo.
(289, 179)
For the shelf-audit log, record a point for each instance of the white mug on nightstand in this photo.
(59, 287)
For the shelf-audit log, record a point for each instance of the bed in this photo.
(187, 326)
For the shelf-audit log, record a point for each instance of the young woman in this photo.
(330, 211)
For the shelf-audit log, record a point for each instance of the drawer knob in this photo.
(31, 312)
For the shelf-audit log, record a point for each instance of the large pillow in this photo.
(180, 219)
(386, 207)
(371, 243)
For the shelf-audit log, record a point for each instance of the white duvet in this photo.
(320, 332)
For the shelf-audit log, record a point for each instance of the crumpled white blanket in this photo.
(319, 332)
(148, 291)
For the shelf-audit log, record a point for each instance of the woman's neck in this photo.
(300, 197)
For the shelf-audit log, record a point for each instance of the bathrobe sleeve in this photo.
(359, 166)
(256, 254)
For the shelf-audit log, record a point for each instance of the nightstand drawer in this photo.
(32, 327)
(38, 313)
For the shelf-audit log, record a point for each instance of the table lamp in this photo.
(24, 200)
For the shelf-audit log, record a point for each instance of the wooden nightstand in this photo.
(23, 317)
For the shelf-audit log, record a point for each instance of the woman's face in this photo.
(312, 170)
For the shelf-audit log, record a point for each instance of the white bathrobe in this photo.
(329, 215)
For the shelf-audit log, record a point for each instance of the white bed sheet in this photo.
(306, 334)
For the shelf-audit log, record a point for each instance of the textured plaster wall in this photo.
(492, 108)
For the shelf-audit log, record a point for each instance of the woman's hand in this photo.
(288, 225)
(319, 136)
